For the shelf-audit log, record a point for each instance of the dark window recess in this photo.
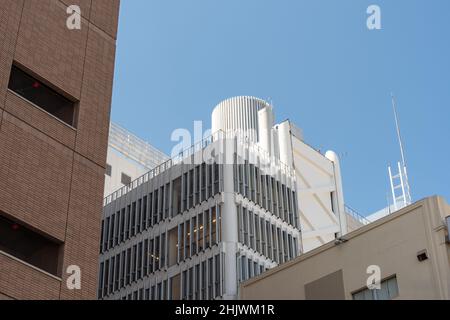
(125, 179)
(108, 170)
(29, 246)
(41, 95)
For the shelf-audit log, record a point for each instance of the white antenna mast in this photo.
(399, 183)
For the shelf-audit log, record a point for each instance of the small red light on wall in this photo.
(36, 85)
(15, 226)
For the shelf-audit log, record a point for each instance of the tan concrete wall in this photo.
(392, 243)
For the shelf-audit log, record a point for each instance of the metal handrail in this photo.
(201, 145)
(352, 212)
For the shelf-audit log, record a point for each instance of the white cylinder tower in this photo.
(238, 114)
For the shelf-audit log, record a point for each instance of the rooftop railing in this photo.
(357, 216)
(192, 150)
(134, 147)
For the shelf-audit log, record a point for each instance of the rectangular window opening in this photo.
(30, 246)
(41, 95)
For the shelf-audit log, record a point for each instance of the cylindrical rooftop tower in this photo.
(238, 114)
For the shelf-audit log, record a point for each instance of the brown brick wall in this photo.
(83, 226)
(51, 175)
(20, 281)
(48, 48)
(85, 6)
(94, 110)
(40, 120)
(101, 13)
(34, 177)
(10, 11)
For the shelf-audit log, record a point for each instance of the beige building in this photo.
(410, 247)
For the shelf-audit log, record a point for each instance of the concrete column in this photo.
(285, 143)
(265, 122)
(229, 226)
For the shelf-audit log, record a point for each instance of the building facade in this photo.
(265, 187)
(55, 98)
(198, 225)
(128, 158)
(408, 249)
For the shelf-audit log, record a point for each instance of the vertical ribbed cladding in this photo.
(238, 114)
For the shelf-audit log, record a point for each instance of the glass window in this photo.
(216, 178)
(108, 170)
(197, 184)
(102, 236)
(197, 282)
(201, 231)
(181, 242)
(157, 254)
(105, 281)
(269, 241)
(184, 295)
(191, 188)
(155, 207)
(166, 200)
(203, 184)
(388, 290)
(194, 235)
(161, 205)
(139, 216)
(122, 225)
(245, 222)
(144, 213)
(117, 273)
(207, 229)
(139, 261)
(151, 256)
(133, 219)
(203, 285)
(125, 179)
(217, 276)
(263, 237)
(122, 269)
(191, 284)
(257, 232)
(145, 256)
(105, 243)
(210, 278)
(213, 226)
(111, 231)
(163, 250)
(150, 210)
(251, 229)
(100, 280)
(133, 263)
(187, 230)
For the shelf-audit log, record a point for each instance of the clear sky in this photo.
(316, 60)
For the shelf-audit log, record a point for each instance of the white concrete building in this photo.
(223, 211)
(323, 214)
(128, 158)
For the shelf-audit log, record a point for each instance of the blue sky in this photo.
(316, 60)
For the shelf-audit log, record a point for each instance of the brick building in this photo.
(55, 97)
